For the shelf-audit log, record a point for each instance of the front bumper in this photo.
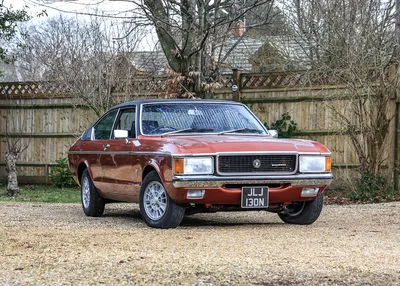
(219, 182)
(227, 190)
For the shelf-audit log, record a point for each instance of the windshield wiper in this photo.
(250, 130)
(188, 129)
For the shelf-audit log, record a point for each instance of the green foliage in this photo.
(8, 21)
(372, 188)
(60, 175)
(8, 27)
(42, 194)
(286, 126)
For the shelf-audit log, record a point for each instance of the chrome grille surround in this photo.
(257, 164)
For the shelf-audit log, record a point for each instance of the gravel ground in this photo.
(55, 244)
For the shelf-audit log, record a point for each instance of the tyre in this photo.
(158, 210)
(92, 203)
(304, 212)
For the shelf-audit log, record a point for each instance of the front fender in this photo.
(162, 165)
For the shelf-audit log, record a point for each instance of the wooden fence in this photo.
(47, 118)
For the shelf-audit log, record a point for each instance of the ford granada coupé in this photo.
(181, 157)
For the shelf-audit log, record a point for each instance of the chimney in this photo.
(238, 29)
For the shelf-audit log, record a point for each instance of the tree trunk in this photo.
(11, 168)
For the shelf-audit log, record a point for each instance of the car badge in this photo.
(278, 165)
(257, 163)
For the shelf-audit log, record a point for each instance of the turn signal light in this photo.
(328, 164)
(179, 166)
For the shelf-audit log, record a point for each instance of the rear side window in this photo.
(102, 130)
(126, 121)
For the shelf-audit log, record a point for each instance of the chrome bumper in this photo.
(218, 182)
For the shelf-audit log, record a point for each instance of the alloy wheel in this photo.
(155, 200)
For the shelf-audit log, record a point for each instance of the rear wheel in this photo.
(303, 212)
(156, 207)
(92, 203)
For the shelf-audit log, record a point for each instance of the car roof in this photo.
(183, 100)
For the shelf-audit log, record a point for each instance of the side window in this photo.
(126, 121)
(102, 130)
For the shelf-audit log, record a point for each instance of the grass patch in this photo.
(42, 194)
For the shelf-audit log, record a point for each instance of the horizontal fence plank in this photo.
(28, 180)
(293, 88)
(299, 133)
(41, 135)
(345, 166)
(43, 106)
(295, 99)
(32, 164)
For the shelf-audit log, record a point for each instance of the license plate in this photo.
(255, 197)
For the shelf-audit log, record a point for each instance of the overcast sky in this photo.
(70, 7)
(78, 9)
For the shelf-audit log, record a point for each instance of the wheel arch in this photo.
(81, 168)
(148, 169)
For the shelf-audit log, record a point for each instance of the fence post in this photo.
(236, 82)
(46, 167)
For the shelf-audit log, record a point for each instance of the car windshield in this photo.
(183, 118)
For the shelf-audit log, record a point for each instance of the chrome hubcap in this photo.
(155, 200)
(85, 192)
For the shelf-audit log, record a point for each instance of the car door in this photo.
(100, 137)
(116, 159)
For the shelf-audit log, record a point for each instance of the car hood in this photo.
(243, 143)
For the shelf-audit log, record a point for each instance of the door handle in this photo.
(106, 146)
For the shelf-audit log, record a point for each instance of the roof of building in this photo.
(291, 48)
(241, 51)
(237, 53)
(153, 62)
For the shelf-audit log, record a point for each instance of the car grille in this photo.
(241, 164)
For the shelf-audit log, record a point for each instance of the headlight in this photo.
(194, 165)
(314, 164)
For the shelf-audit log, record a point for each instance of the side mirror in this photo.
(273, 133)
(120, 134)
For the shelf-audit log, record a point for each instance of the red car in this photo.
(177, 157)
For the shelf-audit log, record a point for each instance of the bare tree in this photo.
(189, 30)
(88, 58)
(15, 146)
(352, 42)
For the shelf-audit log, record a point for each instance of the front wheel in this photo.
(303, 212)
(156, 207)
(92, 203)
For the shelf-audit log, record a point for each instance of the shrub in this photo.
(372, 188)
(60, 175)
(286, 126)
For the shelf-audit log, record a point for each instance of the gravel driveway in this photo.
(55, 244)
